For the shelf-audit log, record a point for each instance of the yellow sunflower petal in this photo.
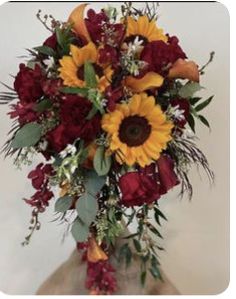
(134, 104)
(149, 81)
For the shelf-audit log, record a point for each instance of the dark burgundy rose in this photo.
(182, 104)
(24, 113)
(160, 55)
(138, 189)
(28, 84)
(113, 95)
(51, 41)
(167, 177)
(58, 138)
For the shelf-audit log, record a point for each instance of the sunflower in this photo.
(138, 131)
(144, 28)
(72, 67)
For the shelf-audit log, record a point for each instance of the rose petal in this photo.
(149, 81)
(185, 70)
(76, 18)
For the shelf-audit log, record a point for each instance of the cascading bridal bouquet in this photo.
(110, 105)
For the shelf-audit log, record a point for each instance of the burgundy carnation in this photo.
(167, 177)
(74, 123)
(24, 113)
(94, 23)
(138, 189)
(28, 84)
(160, 55)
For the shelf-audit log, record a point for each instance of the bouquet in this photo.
(109, 101)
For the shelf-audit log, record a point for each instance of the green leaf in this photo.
(155, 231)
(92, 112)
(194, 101)
(189, 89)
(155, 272)
(43, 105)
(159, 213)
(203, 104)
(143, 278)
(87, 208)
(63, 204)
(90, 75)
(101, 162)
(137, 245)
(191, 122)
(204, 120)
(125, 254)
(75, 90)
(93, 182)
(45, 50)
(26, 136)
(79, 231)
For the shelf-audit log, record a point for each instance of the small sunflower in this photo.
(145, 29)
(138, 131)
(72, 67)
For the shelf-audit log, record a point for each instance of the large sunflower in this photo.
(72, 67)
(138, 131)
(145, 29)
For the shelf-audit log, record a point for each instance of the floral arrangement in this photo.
(109, 102)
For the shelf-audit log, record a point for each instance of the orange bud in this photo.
(65, 188)
(95, 252)
(76, 18)
(185, 70)
(88, 163)
(148, 81)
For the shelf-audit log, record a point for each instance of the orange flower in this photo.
(148, 81)
(95, 252)
(88, 163)
(76, 18)
(185, 70)
(65, 188)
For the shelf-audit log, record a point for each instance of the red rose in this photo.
(138, 189)
(167, 177)
(160, 55)
(28, 84)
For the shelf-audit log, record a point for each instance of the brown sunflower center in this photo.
(131, 39)
(98, 70)
(134, 130)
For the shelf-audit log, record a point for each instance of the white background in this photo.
(197, 233)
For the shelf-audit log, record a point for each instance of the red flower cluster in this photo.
(160, 55)
(40, 180)
(100, 278)
(146, 186)
(74, 123)
(24, 113)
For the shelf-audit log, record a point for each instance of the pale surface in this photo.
(197, 234)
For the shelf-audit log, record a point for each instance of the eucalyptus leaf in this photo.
(27, 136)
(63, 204)
(90, 75)
(79, 231)
(93, 182)
(87, 208)
(189, 89)
(137, 245)
(101, 162)
(191, 122)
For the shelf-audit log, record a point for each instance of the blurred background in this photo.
(196, 236)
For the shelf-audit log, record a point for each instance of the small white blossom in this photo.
(175, 112)
(134, 47)
(43, 145)
(70, 149)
